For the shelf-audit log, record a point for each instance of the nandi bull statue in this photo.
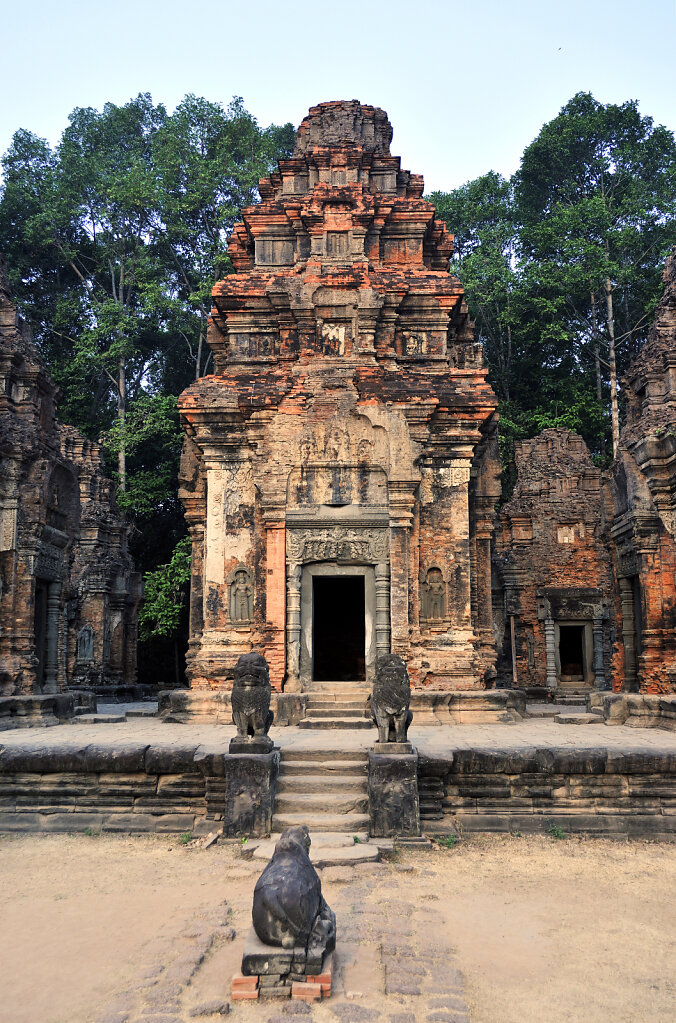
(251, 705)
(293, 931)
(390, 700)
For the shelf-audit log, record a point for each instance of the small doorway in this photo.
(572, 653)
(338, 629)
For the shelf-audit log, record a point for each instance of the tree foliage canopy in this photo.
(116, 236)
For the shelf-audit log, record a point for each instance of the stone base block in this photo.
(443, 707)
(269, 972)
(394, 806)
(213, 706)
(36, 710)
(392, 747)
(253, 744)
(637, 710)
(249, 793)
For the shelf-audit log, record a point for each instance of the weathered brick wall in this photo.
(643, 490)
(69, 594)
(553, 548)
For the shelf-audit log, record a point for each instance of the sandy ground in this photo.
(116, 928)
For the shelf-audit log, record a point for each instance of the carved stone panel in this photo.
(338, 543)
(85, 644)
(433, 594)
(240, 595)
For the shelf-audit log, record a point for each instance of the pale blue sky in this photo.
(466, 85)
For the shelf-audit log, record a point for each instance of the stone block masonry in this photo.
(135, 787)
(596, 791)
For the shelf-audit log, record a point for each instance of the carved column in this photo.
(628, 634)
(401, 521)
(550, 652)
(293, 577)
(599, 671)
(382, 575)
(196, 584)
(52, 651)
(275, 599)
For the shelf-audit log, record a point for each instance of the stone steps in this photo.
(344, 711)
(329, 770)
(325, 790)
(336, 722)
(331, 803)
(347, 823)
(320, 783)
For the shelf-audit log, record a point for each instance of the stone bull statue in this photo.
(289, 909)
(391, 698)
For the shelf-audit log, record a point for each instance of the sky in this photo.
(467, 85)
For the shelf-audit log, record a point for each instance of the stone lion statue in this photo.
(391, 698)
(288, 906)
(251, 696)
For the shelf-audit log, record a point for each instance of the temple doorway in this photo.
(338, 629)
(572, 653)
(337, 641)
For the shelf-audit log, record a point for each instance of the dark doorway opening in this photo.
(571, 652)
(338, 628)
(40, 629)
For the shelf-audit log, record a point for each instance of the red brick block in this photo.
(242, 983)
(240, 996)
(306, 992)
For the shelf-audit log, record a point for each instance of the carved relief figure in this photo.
(434, 596)
(85, 643)
(391, 698)
(251, 696)
(241, 596)
(289, 909)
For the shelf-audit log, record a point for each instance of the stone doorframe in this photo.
(335, 551)
(591, 613)
(333, 569)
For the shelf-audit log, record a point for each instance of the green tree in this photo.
(596, 198)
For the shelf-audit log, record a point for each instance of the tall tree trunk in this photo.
(614, 410)
(597, 352)
(597, 359)
(198, 361)
(121, 419)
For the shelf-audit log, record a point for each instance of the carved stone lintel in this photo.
(339, 543)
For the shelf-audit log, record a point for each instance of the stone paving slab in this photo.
(429, 740)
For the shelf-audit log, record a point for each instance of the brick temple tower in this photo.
(340, 471)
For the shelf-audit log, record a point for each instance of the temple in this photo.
(69, 593)
(340, 470)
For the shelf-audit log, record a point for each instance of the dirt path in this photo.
(123, 929)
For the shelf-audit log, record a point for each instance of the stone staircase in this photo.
(336, 705)
(325, 789)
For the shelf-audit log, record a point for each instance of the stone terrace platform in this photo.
(146, 775)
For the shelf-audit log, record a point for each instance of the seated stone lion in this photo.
(391, 698)
(251, 696)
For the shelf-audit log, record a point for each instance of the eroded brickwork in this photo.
(644, 498)
(348, 431)
(555, 603)
(68, 590)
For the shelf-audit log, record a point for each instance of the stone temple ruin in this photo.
(68, 590)
(340, 471)
(340, 479)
